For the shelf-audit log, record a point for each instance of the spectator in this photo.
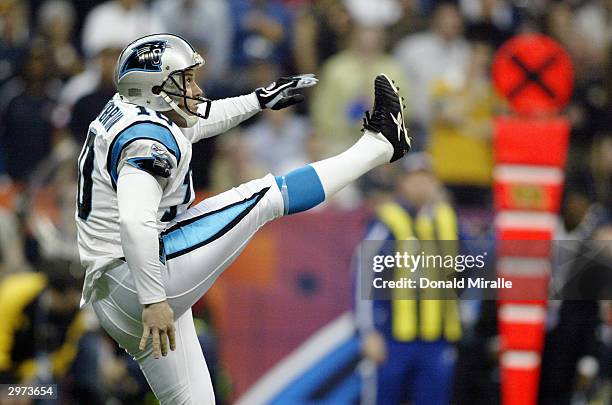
(593, 21)
(425, 57)
(573, 345)
(207, 25)
(571, 339)
(412, 20)
(14, 36)
(82, 9)
(558, 24)
(27, 133)
(278, 140)
(382, 13)
(588, 190)
(104, 28)
(580, 212)
(119, 22)
(56, 25)
(89, 106)
(233, 163)
(110, 25)
(321, 30)
(588, 111)
(343, 91)
(12, 253)
(476, 379)
(581, 216)
(52, 191)
(461, 126)
(263, 32)
(488, 20)
(601, 167)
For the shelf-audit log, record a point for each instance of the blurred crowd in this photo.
(57, 60)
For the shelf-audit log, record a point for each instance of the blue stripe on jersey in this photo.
(198, 231)
(301, 189)
(140, 130)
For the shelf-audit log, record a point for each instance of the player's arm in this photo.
(227, 113)
(143, 169)
(139, 195)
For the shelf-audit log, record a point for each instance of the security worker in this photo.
(411, 341)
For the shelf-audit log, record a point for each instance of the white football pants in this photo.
(199, 244)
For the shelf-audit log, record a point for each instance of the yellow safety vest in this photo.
(437, 319)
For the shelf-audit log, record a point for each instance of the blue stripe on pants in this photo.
(199, 231)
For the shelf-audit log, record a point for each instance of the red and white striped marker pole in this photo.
(530, 147)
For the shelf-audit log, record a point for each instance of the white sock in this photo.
(370, 151)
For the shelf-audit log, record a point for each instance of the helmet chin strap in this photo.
(190, 119)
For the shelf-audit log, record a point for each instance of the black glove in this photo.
(278, 94)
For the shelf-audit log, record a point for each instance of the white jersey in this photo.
(127, 134)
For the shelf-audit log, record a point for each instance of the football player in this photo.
(149, 257)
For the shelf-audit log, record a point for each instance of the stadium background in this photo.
(56, 63)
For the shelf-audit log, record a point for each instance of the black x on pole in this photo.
(533, 76)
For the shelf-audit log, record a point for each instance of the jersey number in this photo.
(85, 182)
(143, 111)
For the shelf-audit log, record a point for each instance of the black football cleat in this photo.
(388, 116)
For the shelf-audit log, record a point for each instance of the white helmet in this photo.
(151, 72)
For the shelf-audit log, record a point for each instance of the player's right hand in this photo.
(158, 322)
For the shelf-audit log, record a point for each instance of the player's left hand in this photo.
(279, 94)
(158, 322)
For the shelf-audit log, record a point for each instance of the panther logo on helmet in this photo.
(146, 57)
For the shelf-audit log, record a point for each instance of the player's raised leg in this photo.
(385, 139)
(200, 243)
